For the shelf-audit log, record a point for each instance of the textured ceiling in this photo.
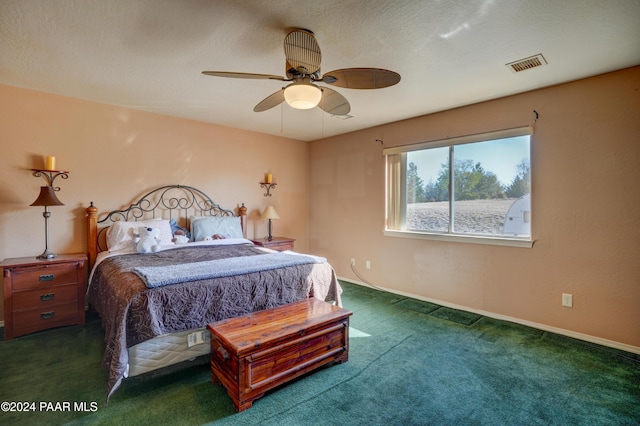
(149, 54)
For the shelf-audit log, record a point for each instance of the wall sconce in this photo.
(48, 198)
(269, 214)
(268, 184)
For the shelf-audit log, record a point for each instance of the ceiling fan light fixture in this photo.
(302, 65)
(302, 96)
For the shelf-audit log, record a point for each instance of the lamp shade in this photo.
(302, 96)
(270, 213)
(47, 197)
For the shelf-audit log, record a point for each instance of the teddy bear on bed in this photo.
(147, 239)
(179, 237)
(214, 237)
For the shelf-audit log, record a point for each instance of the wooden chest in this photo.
(257, 352)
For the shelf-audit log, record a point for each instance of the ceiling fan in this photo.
(303, 57)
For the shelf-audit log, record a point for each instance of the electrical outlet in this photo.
(368, 264)
(353, 262)
(567, 300)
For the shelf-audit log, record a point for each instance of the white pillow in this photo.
(120, 234)
(227, 226)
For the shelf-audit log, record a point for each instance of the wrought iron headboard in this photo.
(177, 202)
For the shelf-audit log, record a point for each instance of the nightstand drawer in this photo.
(42, 298)
(45, 317)
(276, 243)
(46, 275)
(281, 245)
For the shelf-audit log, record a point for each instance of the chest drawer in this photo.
(50, 316)
(49, 275)
(47, 296)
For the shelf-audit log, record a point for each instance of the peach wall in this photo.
(586, 209)
(115, 155)
(586, 152)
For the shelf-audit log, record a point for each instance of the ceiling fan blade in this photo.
(243, 75)
(270, 101)
(362, 78)
(302, 51)
(333, 102)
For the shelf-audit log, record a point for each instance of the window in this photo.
(474, 188)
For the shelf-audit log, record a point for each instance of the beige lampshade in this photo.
(47, 197)
(270, 213)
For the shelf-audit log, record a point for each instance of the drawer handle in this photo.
(47, 277)
(223, 353)
(47, 297)
(47, 315)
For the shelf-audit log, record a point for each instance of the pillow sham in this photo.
(227, 226)
(120, 234)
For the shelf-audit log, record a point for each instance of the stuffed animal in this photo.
(177, 229)
(179, 237)
(147, 239)
(213, 237)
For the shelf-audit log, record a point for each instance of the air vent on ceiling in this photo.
(527, 63)
(342, 117)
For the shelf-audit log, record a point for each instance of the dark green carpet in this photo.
(410, 363)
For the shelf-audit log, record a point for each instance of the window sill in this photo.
(470, 239)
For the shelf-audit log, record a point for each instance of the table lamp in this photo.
(269, 214)
(48, 198)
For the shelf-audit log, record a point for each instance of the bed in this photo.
(154, 307)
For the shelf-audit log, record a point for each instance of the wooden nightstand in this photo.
(41, 294)
(277, 243)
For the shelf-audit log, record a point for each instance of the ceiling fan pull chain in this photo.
(282, 117)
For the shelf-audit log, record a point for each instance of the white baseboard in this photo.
(544, 327)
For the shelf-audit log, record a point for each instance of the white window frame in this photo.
(395, 194)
